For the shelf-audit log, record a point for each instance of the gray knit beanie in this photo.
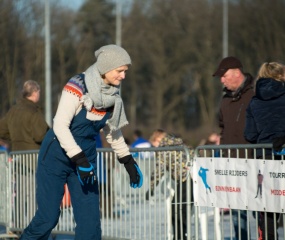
(110, 57)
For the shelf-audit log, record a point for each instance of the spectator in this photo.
(212, 139)
(4, 146)
(156, 137)
(140, 142)
(175, 163)
(89, 102)
(238, 91)
(24, 125)
(265, 120)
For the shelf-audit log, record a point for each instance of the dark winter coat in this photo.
(24, 126)
(233, 114)
(266, 112)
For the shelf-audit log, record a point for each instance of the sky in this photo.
(75, 4)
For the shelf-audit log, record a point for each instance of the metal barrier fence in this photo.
(125, 212)
(220, 223)
(5, 192)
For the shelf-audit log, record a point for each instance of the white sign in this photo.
(249, 184)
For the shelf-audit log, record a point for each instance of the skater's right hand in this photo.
(85, 170)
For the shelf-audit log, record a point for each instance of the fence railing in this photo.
(125, 212)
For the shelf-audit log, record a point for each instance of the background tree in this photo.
(12, 39)
(175, 49)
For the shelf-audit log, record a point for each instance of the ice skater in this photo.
(89, 102)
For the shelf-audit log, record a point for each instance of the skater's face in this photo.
(115, 76)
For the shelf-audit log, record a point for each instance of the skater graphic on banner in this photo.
(203, 174)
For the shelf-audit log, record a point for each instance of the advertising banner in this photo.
(248, 184)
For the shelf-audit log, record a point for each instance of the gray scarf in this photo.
(102, 96)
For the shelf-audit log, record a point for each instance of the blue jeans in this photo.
(242, 224)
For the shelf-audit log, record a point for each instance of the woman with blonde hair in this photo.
(156, 137)
(265, 118)
(266, 111)
(90, 101)
(273, 70)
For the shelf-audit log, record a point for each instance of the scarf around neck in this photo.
(101, 96)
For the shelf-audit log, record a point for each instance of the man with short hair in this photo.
(140, 142)
(24, 125)
(238, 91)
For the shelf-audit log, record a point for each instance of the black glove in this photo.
(147, 194)
(85, 170)
(278, 143)
(136, 177)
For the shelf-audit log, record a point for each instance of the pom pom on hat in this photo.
(110, 57)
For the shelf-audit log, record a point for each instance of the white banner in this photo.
(249, 184)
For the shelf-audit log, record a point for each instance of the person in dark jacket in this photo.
(238, 91)
(265, 118)
(266, 111)
(24, 125)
